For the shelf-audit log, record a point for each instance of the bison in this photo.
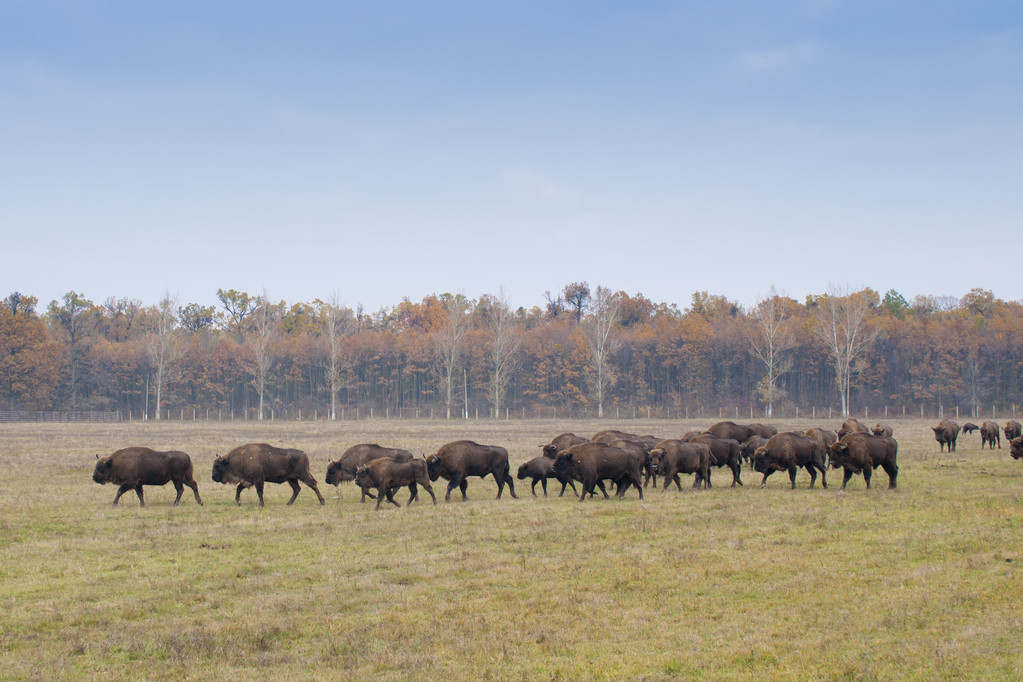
(750, 446)
(990, 434)
(731, 430)
(559, 443)
(789, 451)
(134, 467)
(672, 457)
(387, 475)
(1016, 447)
(969, 427)
(356, 456)
(852, 425)
(864, 452)
(462, 458)
(254, 464)
(1013, 430)
(946, 433)
(765, 431)
(881, 430)
(540, 469)
(823, 436)
(591, 463)
(723, 451)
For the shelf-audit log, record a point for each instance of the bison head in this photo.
(563, 463)
(550, 450)
(838, 452)
(336, 474)
(433, 467)
(760, 459)
(101, 474)
(656, 455)
(220, 469)
(363, 478)
(1016, 448)
(523, 471)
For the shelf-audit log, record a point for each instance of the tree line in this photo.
(580, 353)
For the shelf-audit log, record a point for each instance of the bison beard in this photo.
(134, 467)
(254, 464)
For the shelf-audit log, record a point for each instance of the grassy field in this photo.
(925, 582)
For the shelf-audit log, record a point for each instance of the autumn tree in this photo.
(74, 317)
(602, 341)
(265, 331)
(161, 344)
(28, 359)
(505, 343)
(841, 324)
(770, 339)
(336, 324)
(577, 295)
(448, 338)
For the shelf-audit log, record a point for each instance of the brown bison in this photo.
(723, 451)
(463, 458)
(990, 433)
(864, 452)
(356, 456)
(788, 452)
(559, 443)
(387, 475)
(970, 427)
(750, 446)
(762, 430)
(731, 430)
(540, 469)
(134, 467)
(1013, 430)
(823, 436)
(852, 425)
(672, 457)
(640, 449)
(1016, 447)
(608, 435)
(254, 464)
(946, 433)
(881, 430)
(591, 463)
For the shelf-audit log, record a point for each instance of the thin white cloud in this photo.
(531, 181)
(779, 58)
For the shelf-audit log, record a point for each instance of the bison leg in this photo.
(893, 474)
(763, 482)
(413, 493)
(389, 494)
(294, 490)
(533, 486)
(311, 482)
(736, 470)
(259, 492)
(543, 482)
(845, 479)
(455, 482)
(867, 473)
(195, 491)
(142, 499)
(366, 493)
(120, 491)
(511, 485)
(180, 488)
(238, 493)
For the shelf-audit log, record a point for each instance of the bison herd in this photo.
(624, 460)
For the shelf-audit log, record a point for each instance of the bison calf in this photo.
(387, 475)
(356, 456)
(540, 469)
(134, 467)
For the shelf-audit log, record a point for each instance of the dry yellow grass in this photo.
(920, 583)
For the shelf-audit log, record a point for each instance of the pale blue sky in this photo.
(393, 149)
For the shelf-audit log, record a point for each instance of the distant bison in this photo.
(823, 436)
(852, 425)
(762, 430)
(254, 464)
(750, 446)
(463, 458)
(990, 434)
(134, 467)
(560, 442)
(1016, 447)
(387, 475)
(672, 457)
(591, 463)
(969, 427)
(946, 433)
(540, 469)
(864, 452)
(787, 452)
(1013, 430)
(723, 451)
(882, 430)
(731, 430)
(356, 456)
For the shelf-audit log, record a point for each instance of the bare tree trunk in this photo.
(265, 332)
(506, 340)
(602, 341)
(769, 340)
(448, 338)
(841, 324)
